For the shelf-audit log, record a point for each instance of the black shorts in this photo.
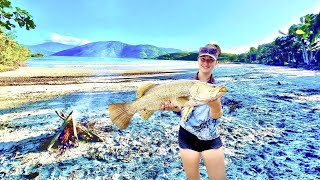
(190, 141)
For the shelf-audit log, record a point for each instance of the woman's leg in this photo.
(214, 161)
(191, 161)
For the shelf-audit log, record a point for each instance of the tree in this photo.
(242, 57)
(307, 33)
(253, 54)
(267, 54)
(288, 49)
(20, 16)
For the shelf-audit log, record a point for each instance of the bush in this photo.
(11, 53)
(6, 68)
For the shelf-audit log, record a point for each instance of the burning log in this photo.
(70, 133)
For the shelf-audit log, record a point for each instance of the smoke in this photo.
(68, 40)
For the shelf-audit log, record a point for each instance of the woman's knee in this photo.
(190, 160)
(214, 162)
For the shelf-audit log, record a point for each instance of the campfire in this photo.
(71, 132)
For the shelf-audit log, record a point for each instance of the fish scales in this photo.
(156, 96)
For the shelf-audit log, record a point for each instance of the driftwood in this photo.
(70, 133)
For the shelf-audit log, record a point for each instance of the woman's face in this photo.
(206, 64)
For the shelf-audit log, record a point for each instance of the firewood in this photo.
(70, 133)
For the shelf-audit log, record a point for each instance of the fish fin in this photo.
(186, 112)
(143, 89)
(145, 114)
(120, 115)
(182, 100)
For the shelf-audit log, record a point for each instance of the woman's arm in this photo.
(215, 108)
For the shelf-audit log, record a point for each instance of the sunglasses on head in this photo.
(208, 50)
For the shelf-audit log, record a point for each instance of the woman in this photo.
(198, 135)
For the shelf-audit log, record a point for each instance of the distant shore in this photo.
(30, 84)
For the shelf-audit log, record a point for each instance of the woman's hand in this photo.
(169, 107)
(214, 102)
(215, 108)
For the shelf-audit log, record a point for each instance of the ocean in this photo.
(106, 62)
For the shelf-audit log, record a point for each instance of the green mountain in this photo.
(116, 49)
(48, 48)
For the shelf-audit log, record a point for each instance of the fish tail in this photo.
(120, 114)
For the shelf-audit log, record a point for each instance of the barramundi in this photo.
(150, 97)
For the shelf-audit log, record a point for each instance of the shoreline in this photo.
(32, 84)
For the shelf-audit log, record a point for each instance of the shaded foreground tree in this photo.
(19, 16)
(307, 34)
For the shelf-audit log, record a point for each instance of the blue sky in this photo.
(183, 24)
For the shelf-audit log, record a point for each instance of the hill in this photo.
(49, 48)
(116, 49)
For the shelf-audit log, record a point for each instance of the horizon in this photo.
(235, 26)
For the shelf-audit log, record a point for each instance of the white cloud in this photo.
(214, 42)
(68, 39)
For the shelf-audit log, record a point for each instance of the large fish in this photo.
(150, 97)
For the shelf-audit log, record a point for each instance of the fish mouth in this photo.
(222, 90)
(217, 93)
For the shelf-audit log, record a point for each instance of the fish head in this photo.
(204, 92)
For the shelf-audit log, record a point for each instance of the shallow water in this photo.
(270, 130)
(106, 63)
